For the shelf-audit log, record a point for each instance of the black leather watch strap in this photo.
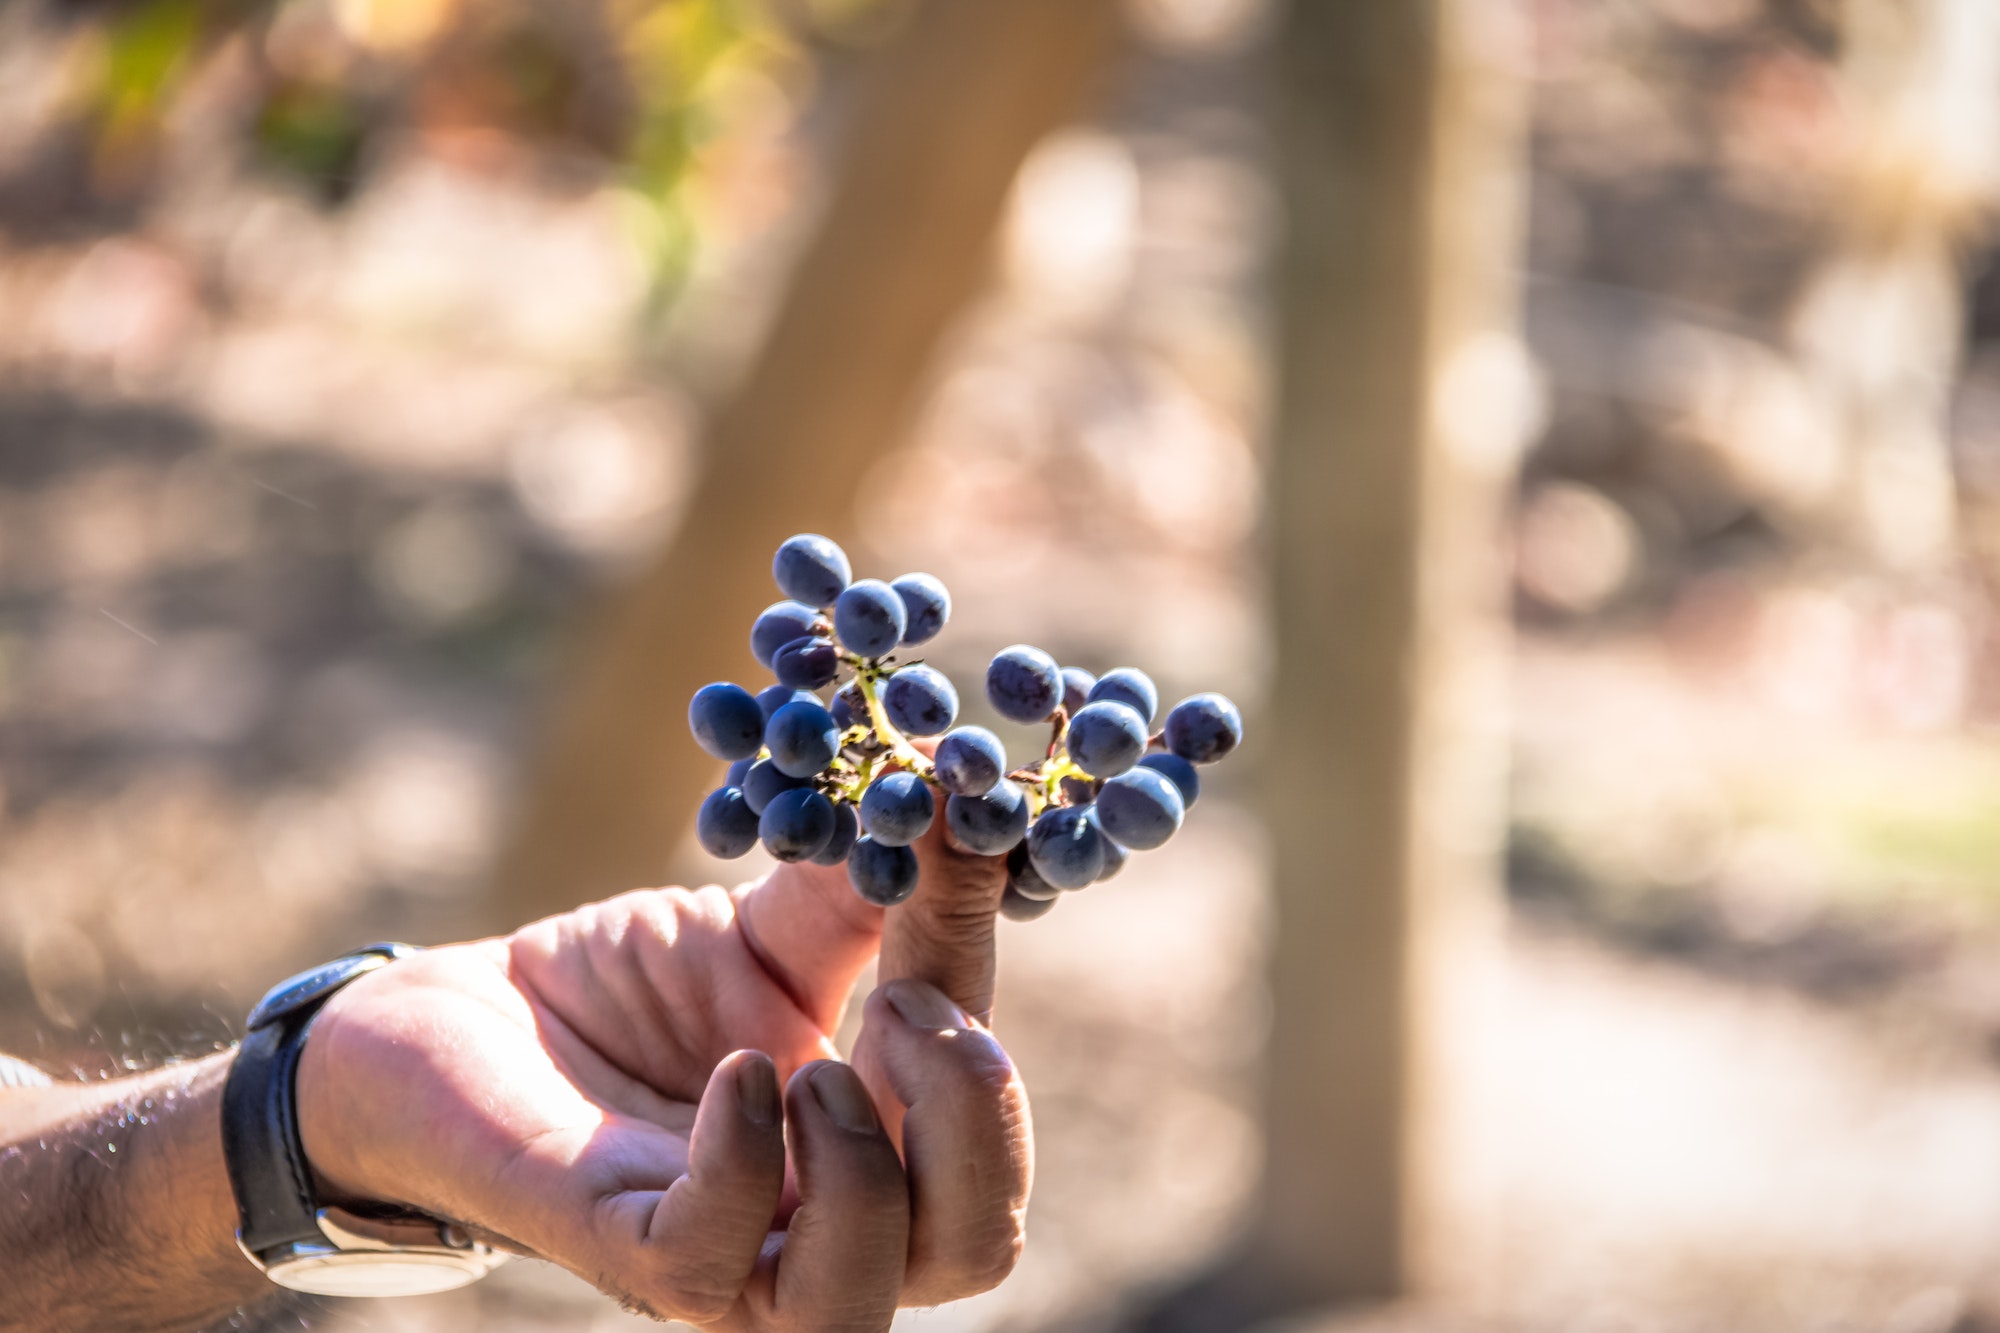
(275, 1204)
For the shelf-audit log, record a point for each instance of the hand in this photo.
(602, 1089)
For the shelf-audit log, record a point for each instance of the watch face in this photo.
(365, 1274)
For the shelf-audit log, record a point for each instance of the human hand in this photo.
(602, 1089)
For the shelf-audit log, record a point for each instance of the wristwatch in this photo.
(299, 1243)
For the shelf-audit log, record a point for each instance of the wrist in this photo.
(343, 1150)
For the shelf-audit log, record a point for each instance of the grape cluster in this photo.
(839, 781)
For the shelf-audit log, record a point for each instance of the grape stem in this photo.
(906, 754)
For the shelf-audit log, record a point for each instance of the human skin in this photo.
(643, 1090)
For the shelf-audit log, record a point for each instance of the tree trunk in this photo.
(959, 99)
(1401, 401)
(1880, 329)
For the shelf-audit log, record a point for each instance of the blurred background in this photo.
(1570, 427)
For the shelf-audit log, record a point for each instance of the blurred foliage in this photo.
(643, 89)
(315, 133)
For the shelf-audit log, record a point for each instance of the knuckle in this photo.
(692, 1293)
(978, 1264)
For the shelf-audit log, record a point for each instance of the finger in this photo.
(840, 1267)
(695, 1245)
(943, 935)
(968, 1146)
(812, 933)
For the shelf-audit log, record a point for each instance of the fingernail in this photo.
(757, 1092)
(841, 1093)
(925, 1006)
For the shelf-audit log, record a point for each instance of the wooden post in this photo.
(959, 99)
(1400, 405)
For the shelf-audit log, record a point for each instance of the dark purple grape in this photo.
(726, 721)
(796, 824)
(811, 569)
(928, 604)
(806, 664)
(846, 827)
(726, 826)
(882, 874)
(1023, 683)
(869, 618)
(969, 760)
(1106, 738)
(1076, 686)
(1129, 685)
(1065, 848)
(737, 772)
(897, 809)
(1140, 809)
(1204, 728)
(849, 708)
(763, 782)
(773, 697)
(1016, 906)
(802, 738)
(920, 701)
(1025, 880)
(990, 824)
(1178, 771)
(778, 625)
(1114, 855)
(1078, 791)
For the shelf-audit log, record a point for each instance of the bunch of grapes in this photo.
(841, 782)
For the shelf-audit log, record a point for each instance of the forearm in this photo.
(115, 1207)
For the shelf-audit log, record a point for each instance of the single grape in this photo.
(806, 664)
(1076, 686)
(1106, 738)
(802, 739)
(796, 824)
(726, 826)
(1016, 906)
(919, 700)
(846, 827)
(726, 721)
(1023, 683)
(1140, 809)
(1177, 771)
(1065, 848)
(928, 604)
(1129, 685)
(869, 618)
(1023, 879)
(778, 625)
(737, 772)
(811, 569)
(1114, 855)
(1204, 728)
(1078, 791)
(849, 708)
(763, 782)
(773, 697)
(897, 809)
(882, 874)
(989, 824)
(969, 760)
